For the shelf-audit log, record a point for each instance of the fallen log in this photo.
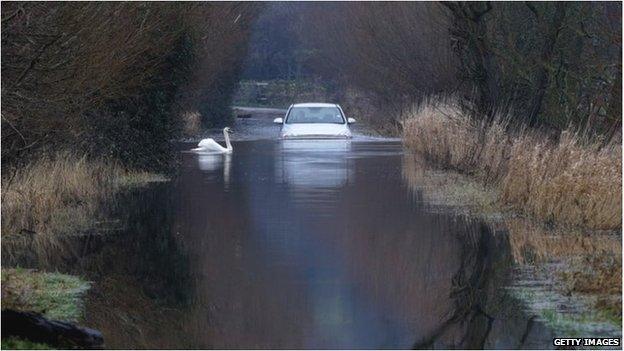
(36, 328)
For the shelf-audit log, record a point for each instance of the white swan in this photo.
(209, 145)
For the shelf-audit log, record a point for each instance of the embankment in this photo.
(559, 197)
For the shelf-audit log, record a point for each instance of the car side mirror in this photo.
(278, 121)
(350, 120)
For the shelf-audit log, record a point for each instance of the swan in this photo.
(212, 146)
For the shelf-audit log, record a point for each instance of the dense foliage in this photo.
(112, 79)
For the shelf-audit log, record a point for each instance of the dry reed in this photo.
(60, 193)
(568, 182)
(532, 243)
(571, 181)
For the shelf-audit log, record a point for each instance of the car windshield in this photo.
(315, 115)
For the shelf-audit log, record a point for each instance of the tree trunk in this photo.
(468, 32)
(614, 110)
(543, 74)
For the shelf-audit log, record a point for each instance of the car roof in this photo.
(314, 104)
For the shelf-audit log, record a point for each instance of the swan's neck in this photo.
(226, 136)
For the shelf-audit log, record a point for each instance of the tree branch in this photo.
(478, 14)
(34, 60)
(533, 9)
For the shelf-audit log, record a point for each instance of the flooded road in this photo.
(314, 244)
(298, 244)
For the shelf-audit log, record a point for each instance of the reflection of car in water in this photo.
(308, 164)
(315, 121)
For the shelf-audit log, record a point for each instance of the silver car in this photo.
(315, 121)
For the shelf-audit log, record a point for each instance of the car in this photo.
(315, 121)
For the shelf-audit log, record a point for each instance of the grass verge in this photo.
(54, 295)
(568, 277)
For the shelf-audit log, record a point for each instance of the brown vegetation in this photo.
(92, 90)
(61, 194)
(533, 243)
(576, 261)
(570, 181)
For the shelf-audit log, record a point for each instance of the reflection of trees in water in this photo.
(141, 246)
(482, 315)
(141, 274)
(128, 318)
(139, 270)
(468, 323)
(147, 249)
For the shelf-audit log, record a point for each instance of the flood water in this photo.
(297, 244)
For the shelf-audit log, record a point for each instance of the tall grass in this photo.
(570, 180)
(59, 193)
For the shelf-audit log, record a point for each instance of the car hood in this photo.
(315, 130)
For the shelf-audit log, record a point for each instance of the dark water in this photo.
(297, 244)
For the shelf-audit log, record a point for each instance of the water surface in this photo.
(297, 244)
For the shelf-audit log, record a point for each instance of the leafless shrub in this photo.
(397, 53)
(557, 64)
(82, 73)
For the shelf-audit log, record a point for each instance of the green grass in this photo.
(12, 343)
(576, 325)
(610, 313)
(54, 295)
